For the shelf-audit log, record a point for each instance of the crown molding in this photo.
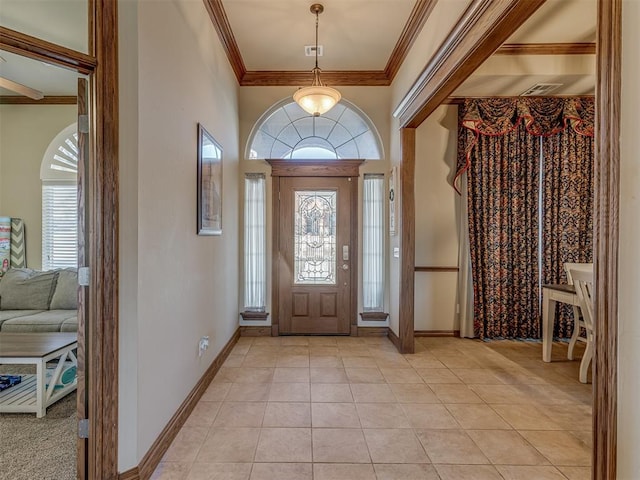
(48, 100)
(367, 78)
(547, 49)
(218, 17)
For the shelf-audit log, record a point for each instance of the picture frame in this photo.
(209, 184)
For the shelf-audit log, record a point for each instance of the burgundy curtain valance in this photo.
(541, 116)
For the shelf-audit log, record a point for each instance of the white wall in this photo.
(186, 284)
(25, 133)
(437, 220)
(629, 264)
(254, 101)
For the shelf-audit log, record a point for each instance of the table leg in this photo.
(548, 319)
(40, 388)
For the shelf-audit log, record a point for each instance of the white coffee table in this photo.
(36, 392)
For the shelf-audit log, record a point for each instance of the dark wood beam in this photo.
(221, 23)
(606, 238)
(48, 100)
(483, 27)
(547, 49)
(21, 44)
(419, 15)
(407, 239)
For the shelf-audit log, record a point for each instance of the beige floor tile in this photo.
(234, 360)
(216, 392)
(570, 417)
(414, 393)
(290, 392)
(353, 350)
(468, 472)
(244, 375)
(293, 361)
(451, 447)
(430, 416)
(585, 436)
(288, 341)
(269, 349)
(339, 445)
(458, 361)
(324, 350)
(239, 349)
(343, 471)
(358, 362)
(506, 447)
(220, 471)
(477, 376)
(561, 448)
(325, 361)
(291, 375)
(186, 445)
(328, 375)
(502, 394)
(433, 376)
(477, 417)
(248, 392)
(576, 473)
(526, 417)
(401, 375)
(260, 360)
(364, 375)
(455, 394)
(426, 361)
(287, 350)
(334, 415)
(229, 445)
(328, 340)
(270, 341)
(382, 415)
(331, 392)
(284, 414)
(408, 471)
(516, 472)
(203, 414)
(282, 471)
(372, 393)
(390, 360)
(397, 445)
(284, 445)
(240, 414)
(171, 471)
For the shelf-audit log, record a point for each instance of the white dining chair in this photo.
(578, 323)
(583, 281)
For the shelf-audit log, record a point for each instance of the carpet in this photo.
(39, 448)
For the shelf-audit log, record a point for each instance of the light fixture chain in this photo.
(317, 21)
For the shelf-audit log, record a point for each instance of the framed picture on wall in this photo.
(209, 184)
(393, 178)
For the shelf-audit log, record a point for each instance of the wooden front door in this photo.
(316, 256)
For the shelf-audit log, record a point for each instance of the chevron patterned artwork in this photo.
(18, 251)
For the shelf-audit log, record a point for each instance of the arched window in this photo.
(58, 172)
(287, 131)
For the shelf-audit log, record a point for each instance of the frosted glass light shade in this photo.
(317, 99)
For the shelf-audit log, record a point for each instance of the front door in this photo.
(316, 256)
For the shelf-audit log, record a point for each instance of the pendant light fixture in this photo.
(318, 98)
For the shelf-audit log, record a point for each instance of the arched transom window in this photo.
(288, 132)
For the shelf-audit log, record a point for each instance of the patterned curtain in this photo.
(567, 206)
(499, 146)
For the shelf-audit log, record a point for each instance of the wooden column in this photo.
(408, 238)
(605, 237)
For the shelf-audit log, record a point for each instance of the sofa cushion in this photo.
(26, 289)
(70, 325)
(65, 296)
(49, 321)
(9, 314)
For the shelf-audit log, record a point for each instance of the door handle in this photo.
(345, 253)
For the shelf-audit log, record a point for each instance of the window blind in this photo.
(255, 277)
(59, 226)
(373, 243)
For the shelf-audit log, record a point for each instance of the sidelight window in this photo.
(373, 243)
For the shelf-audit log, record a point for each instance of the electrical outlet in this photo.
(203, 344)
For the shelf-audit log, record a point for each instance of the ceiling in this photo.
(357, 35)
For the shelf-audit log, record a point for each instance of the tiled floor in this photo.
(321, 408)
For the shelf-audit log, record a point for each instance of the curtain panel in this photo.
(502, 144)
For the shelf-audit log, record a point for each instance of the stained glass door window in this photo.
(315, 237)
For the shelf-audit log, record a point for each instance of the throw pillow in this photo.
(26, 289)
(65, 296)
